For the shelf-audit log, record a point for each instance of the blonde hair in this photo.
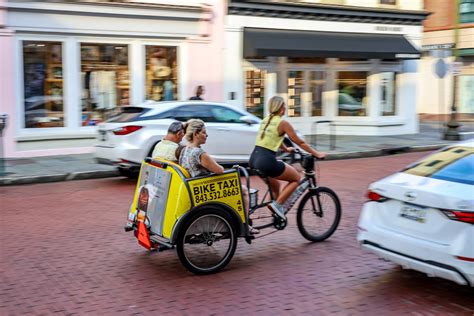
(274, 106)
(191, 127)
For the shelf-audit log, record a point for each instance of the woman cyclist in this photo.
(273, 128)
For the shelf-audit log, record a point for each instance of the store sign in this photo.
(407, 55)
(438, 46)
(455, 68)
(383, 28)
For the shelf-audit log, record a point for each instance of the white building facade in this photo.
(353, 66)
(72, 65)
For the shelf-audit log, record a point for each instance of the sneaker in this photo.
(253, 231)
(277, 209)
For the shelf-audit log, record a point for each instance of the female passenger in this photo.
(194, 159)
(273, 128)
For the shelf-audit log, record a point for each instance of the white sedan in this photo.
(422, 217)
(125, 140)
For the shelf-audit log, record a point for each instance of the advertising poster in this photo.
(223, 188)
(157, 182)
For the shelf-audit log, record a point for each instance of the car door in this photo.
(202, 112)
(236, 138)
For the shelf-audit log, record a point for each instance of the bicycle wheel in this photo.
(317, 221)
(207, 242)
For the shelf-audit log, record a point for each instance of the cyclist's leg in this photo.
(274, 187)
(293, 177)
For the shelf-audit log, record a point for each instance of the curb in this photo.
(99, 174)
(84, 175)
(383, 152)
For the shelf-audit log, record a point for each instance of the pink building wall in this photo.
(202, 62)
(205, 54)
(7, 98)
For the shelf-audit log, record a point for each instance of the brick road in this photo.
(64, 251)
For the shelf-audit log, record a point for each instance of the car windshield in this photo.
(454, 164)
(128, 114)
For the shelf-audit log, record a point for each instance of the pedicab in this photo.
(202, 217)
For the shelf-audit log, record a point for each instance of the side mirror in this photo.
(248, 120)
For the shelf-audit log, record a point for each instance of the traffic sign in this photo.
(441, 68)
(455, 68)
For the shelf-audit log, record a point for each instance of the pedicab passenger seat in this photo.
(174, 164)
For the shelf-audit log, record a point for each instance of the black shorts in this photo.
(265, 161)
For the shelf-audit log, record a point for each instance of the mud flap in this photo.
(143, 236)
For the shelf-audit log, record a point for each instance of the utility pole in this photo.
(451, 132)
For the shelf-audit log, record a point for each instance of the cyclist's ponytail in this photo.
(274, 106)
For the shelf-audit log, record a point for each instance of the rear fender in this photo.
(219, 206)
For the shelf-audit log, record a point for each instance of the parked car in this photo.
(125, 140)
(422, 217)
(348, 103)
(37, 113)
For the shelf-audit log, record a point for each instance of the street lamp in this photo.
(451, 132)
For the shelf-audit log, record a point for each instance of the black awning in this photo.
(289, 43)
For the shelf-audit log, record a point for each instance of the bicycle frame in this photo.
(309, 177)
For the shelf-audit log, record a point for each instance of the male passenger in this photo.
(168, 147)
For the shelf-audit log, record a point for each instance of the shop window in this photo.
(316, 84)
(43, 84)
(255, 92)
(388, 93)
(352, 97)
(466, 11)
(466, 94)
(105, 81)
(161, 73)
(295, 88)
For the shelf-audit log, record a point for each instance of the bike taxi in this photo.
(203, 216)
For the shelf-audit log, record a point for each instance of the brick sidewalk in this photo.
(64, 251)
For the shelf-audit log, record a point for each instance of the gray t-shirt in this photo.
(190, 159)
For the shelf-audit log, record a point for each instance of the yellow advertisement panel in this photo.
(224, 188)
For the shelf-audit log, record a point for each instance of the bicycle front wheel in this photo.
(318, 214)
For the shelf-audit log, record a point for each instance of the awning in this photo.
(289, 43)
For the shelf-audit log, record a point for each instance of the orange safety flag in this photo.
(143, 236)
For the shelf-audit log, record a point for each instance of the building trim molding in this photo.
(326, 12)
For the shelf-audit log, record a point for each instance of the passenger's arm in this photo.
(286, 127)
(210, 164)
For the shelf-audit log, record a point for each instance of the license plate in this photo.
(413, 212)
(103, 135)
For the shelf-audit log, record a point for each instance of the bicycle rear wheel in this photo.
(207, 242)
(319, 213)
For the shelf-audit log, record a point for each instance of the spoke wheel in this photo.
(318, 221)
(207, 242)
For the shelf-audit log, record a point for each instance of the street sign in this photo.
(441, 68)
(455, 68)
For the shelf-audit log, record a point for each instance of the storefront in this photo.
(77, 64)
(355, 67)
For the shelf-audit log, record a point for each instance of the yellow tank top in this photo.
(271, 140)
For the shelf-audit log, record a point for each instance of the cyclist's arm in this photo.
(286, 149)
(210, 164)
(285, 127)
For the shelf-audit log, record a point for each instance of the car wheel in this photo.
(129, 173)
